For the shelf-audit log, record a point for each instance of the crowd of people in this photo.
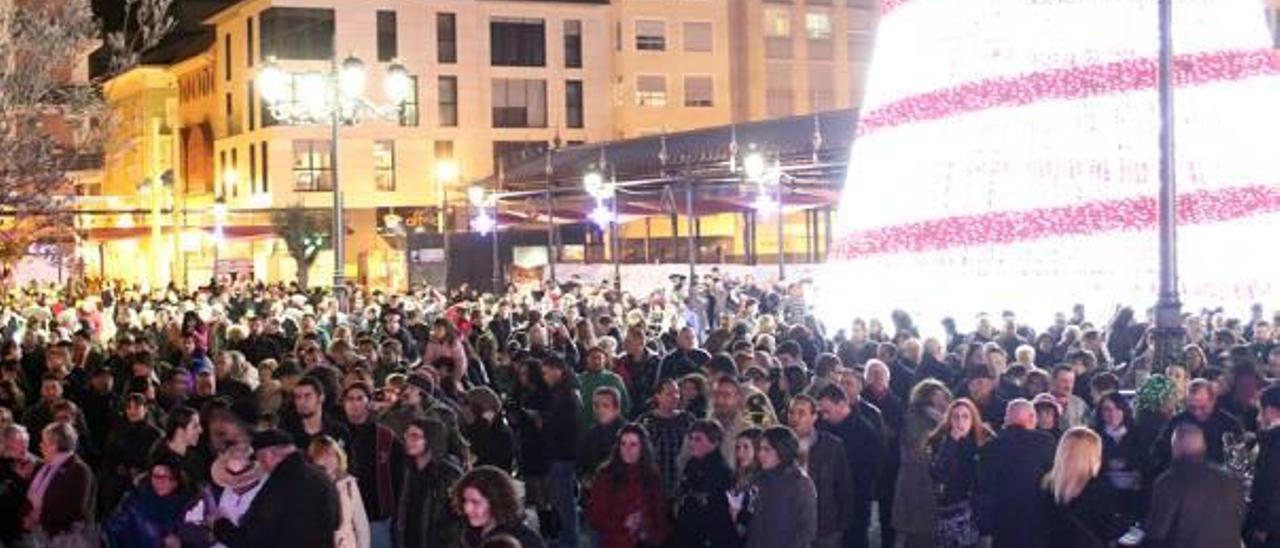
(575, 415)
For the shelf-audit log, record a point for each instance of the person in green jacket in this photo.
(595, 376)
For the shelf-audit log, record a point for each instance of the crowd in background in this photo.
(716, 413)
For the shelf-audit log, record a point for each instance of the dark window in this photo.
(253, 169)
(510, 153)
(266, 173)
(519, 103)
(573, 43)
(517, 42)
(235, 166)
(222, 173)
(651, 35)
(446, 38)
(409, 109)
(249, 110)
(230, 111)
(226, 62)
(573, 103)
(297, 33)
(248, 42)
(386, 36)
(447, 88)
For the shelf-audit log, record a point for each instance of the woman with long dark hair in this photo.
(626, 506)
(1121, 454)
(786, 508)
(182, 430)
(915, 509)
(953, 465)
(154, 510)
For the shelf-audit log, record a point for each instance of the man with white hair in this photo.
(275, 515)
(17, 466)
(1195, 504)
(1013, 466)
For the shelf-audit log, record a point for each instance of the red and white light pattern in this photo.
(1007, 158)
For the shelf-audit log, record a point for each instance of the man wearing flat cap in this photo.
(274, 514)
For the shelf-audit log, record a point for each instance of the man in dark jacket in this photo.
(1202, 412)
(1012, 469)
(1194, 504)
(310, 418)
(702, 509)
(864, 451)
(824, 457)
(377, 461)
(878, 394)
(393, 330)
(686, 358)
(559, 424)
(275, 515)
(1264, 502)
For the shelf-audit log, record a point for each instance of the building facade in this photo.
(494, 81)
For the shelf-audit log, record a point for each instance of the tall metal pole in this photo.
(497, 261)
(551, 222)
(782, 243)
(693, 251)
(1168, 314)
(617, 247)
(339, 230)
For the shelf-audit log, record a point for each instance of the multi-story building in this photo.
(491, 78)
(687, 64)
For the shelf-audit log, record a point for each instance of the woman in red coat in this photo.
(626, 506)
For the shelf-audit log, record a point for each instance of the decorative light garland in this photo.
(1007, 159)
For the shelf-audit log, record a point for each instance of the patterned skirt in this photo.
(956, 526)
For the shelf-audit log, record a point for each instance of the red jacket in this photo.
(612, 501)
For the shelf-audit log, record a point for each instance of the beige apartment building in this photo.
(493, 79)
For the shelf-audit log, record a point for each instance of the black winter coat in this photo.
(829, 468)
(1264, 502)
(275, 515)
(1011, 469)
(702, 510)
(492, 443)
(864, 445)
(424, 517)
(1091, 520)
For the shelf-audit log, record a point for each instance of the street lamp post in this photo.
(335, 98)
(484, 221)
(605, 217)
(769, 195)
(1168, 310)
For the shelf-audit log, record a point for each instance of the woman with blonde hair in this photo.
(1087, 513)
(353, 529)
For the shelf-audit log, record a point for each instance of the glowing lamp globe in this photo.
(1007, 158)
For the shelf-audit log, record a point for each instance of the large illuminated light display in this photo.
(1007, 159)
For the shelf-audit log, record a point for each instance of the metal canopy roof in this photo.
(813, 150)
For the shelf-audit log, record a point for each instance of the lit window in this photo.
(384, 165)
(818, 25)
(651, 91)
(777, 22)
